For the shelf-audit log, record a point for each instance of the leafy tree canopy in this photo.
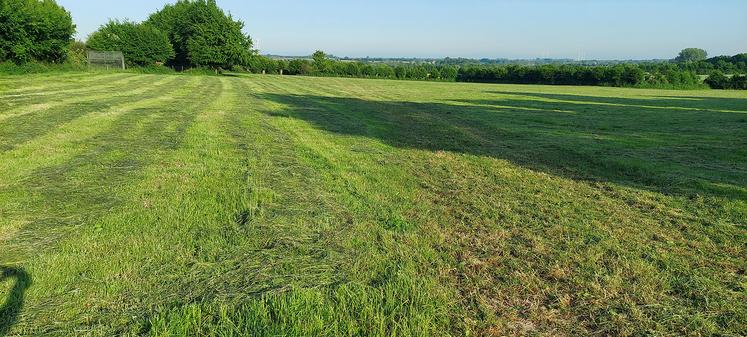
(203, 35)
(321, 61)
(34, 30)
(141, 44)
(691, 55)
(319, 56)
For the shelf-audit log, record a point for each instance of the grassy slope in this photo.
(177, 205)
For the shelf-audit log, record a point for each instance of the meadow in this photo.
(168, 205)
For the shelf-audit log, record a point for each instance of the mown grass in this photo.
(296, 206)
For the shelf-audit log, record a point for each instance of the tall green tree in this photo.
(38, 30)
(321, 61)
(691, 55)
(202, 34)
(142, 44)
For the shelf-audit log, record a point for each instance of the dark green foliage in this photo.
(203, 35)
(255, 65)
(739, 82)
(666, 75)
(727, 64)
(691, 55)
(322, 65)
(621, 75)
(736, 64)
(321, 62)
(717, 80)
(141, 44)
(449, 72)
(34, 30)
(655, 75)
(302, 67)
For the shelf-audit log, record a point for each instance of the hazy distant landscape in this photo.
(212, 189)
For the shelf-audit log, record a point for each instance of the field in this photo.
(295, 206)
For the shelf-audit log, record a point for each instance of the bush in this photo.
(76, 53)
(300, 67)
(141, 44)
(717, 80)
(739, 82)
(34, 30)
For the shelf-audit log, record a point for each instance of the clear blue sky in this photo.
(601, 29)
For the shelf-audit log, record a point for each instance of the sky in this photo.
(576, 29)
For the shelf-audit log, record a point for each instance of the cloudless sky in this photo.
(601, 29)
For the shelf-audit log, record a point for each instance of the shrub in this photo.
(717, 80)
(738, 82)
(300, 67)
(76, 53)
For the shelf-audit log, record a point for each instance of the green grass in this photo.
(135, 204)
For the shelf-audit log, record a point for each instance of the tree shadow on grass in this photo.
(11, 308)
(665, 145)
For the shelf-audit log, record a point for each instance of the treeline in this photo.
(736, 64)
(461, 61)
(718, 80)
(690, 59)
(621, 75)
(681, 74)
(322, 65)
(663, 75)
(198, 34)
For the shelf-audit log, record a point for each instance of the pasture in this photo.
(295, 206)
